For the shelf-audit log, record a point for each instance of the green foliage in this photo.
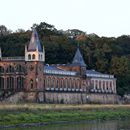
(119, 65)
(16, 117)
(107, 55)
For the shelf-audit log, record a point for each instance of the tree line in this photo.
(105, 54)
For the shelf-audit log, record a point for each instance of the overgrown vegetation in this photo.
(34, 113)
(107, 55)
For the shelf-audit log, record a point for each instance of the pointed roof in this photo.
(78, 59)
(34, 42)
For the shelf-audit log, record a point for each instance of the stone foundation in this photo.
(17, 97)
(79, 98)
(63, 98)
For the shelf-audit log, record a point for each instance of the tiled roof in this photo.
(93, 73)
(46, 67)
(89, 73)
(55, 70)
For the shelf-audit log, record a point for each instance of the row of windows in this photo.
(10, 69)
(33, 57)
(10, 83)
(57, 83)
(103, 83)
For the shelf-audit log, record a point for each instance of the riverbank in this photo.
(43, 114)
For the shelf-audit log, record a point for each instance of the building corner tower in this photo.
(34, 58)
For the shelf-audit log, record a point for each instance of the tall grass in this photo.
(35, 106)
(11, 114)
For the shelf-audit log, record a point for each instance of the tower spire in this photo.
(34, 42)
(34, 50)
(78, 59)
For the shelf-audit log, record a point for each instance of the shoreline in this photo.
(39, 115)
(46, 124)
(41, 124)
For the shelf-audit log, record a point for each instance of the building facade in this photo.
(62, 83)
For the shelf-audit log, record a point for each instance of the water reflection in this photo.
(108, 125)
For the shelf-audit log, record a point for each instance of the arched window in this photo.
(56, 83)
(1, 69)
(31, 83)
(41, 57)
(10, 69)
(33, 56)
(19, 68)
(29, 57)
(20, 82)
(70, 83)
(96, 85)
(104, 84)
(107, 85)
(110, 83)
(100, 86)
(10, 83)
(73, 83)
(78, 84)
(1, 83)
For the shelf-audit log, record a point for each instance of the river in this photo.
(94, 125)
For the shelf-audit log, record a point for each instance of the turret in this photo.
(79, 62)
(34, 57)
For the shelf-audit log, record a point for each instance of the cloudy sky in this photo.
(103, 17)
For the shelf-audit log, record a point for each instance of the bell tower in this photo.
(34, 58)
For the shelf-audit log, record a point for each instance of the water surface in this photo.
(100, 125)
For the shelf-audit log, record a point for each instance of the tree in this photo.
(102, 65)
(119, 66)
(45, 29)
(4, 30)
(20, 30)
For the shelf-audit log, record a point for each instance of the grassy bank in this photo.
(35, 113)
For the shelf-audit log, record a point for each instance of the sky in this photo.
(109, 18)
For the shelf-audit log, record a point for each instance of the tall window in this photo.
(10, 69)
(29, 57)
(31, 83)
(33, 56)
(19, 68)
(1, 69)
(41, 57)
(1, 83)
(56, 83)
(96, 85)
(20, 82)
(10, 83)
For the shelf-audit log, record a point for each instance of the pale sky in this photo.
(103, 17)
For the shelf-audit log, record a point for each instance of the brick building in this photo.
(62, 83)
